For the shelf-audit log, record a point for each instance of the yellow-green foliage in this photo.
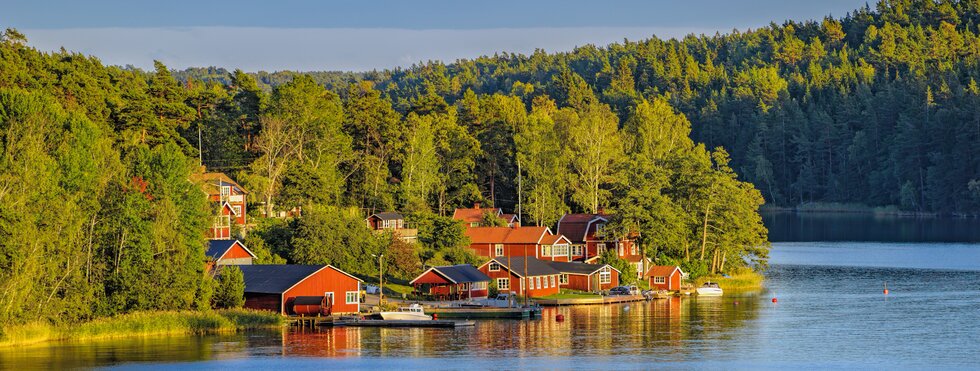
(140, 324)
(743, 280)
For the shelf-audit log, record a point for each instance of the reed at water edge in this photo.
(137, 324)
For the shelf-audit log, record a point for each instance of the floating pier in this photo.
(591, 301)
(403, 323)
(499, 313)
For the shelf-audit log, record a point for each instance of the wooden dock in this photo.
(488, 313)
(591, 301)
(403, 323)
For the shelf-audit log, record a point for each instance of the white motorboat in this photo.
(410, 313)
(709, 289)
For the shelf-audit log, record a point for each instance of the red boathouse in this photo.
(665, 277)
(454, 282)
(292, 289)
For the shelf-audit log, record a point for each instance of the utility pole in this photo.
(381, 280)
(520, 218)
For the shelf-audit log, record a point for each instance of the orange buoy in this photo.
(886, 291)
(559, 317)
(774, 300)
(886, 287)
(435, 315)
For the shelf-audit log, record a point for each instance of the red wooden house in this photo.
(292, 289)
(227, 252)
(230, 198)
(529, 277)
(539, 242)
(586, 277)
(665, 277)
(454, 282)
(584, 232)
(392, 222)
(473, 217)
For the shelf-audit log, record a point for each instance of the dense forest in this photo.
(876, 108)
(98, 215)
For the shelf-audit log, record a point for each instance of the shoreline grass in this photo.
(741, 281)
(141, 324)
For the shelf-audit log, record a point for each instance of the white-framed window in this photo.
(622, 251)
(537, 282)
(660, 279)
(352, 297)
(601, 247)
(329, 296)
(237, 208)
(474, 224)
(494, 267)
(577, 250)
(605, 275)
(222, 221)
(478, 286)
(546, 250)
(560, 250)
(503, 284)
(498, 249)
(552, 280)
(633, 249)
(563, 279)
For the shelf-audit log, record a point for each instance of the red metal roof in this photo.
(662, 270)
(528, 235)
(578, 226)
(474, 215)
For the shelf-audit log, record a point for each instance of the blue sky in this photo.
(364, 35)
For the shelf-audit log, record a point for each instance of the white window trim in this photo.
(357, 298)
(330, 294)
(563, 279)
(659, 280)
(537, 282)
(478, 286)
(503, 284)
(552, 280)
(494, 267)
(498, 249)
(605, 276)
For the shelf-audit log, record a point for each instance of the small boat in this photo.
(709, 289)
(410, 313)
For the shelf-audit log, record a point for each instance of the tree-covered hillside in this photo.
(878, 107)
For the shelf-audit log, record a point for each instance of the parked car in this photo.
(625, 290)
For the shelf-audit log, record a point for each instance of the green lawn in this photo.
(570, 294)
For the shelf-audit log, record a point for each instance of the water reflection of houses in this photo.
(334, 342)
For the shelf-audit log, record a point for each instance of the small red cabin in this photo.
(296, 289)
(454, 282)
(665, 277)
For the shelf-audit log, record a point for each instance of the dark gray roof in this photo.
(575, 268)
(389, 215)
(275, 279)
(217, 248)
(462, 273)
(535, 267)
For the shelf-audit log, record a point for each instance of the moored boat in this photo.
(412, 312)
(709, 289)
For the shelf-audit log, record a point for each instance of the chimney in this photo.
(476, 205)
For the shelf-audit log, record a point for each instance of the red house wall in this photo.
(431, 277)
(327, 280)
(579, 282)
(673, 282)
(515, 283)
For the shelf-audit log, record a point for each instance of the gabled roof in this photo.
(510, 218)
(553, 239)
(218, 248)
(527, 235)
(461, 273)
(211, 181)
(475, 215)
(577, 226)
(279, 278)
(388, 215)
(535, 267)
(663, 270)
(578, 268)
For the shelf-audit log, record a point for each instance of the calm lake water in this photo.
(831, 313)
